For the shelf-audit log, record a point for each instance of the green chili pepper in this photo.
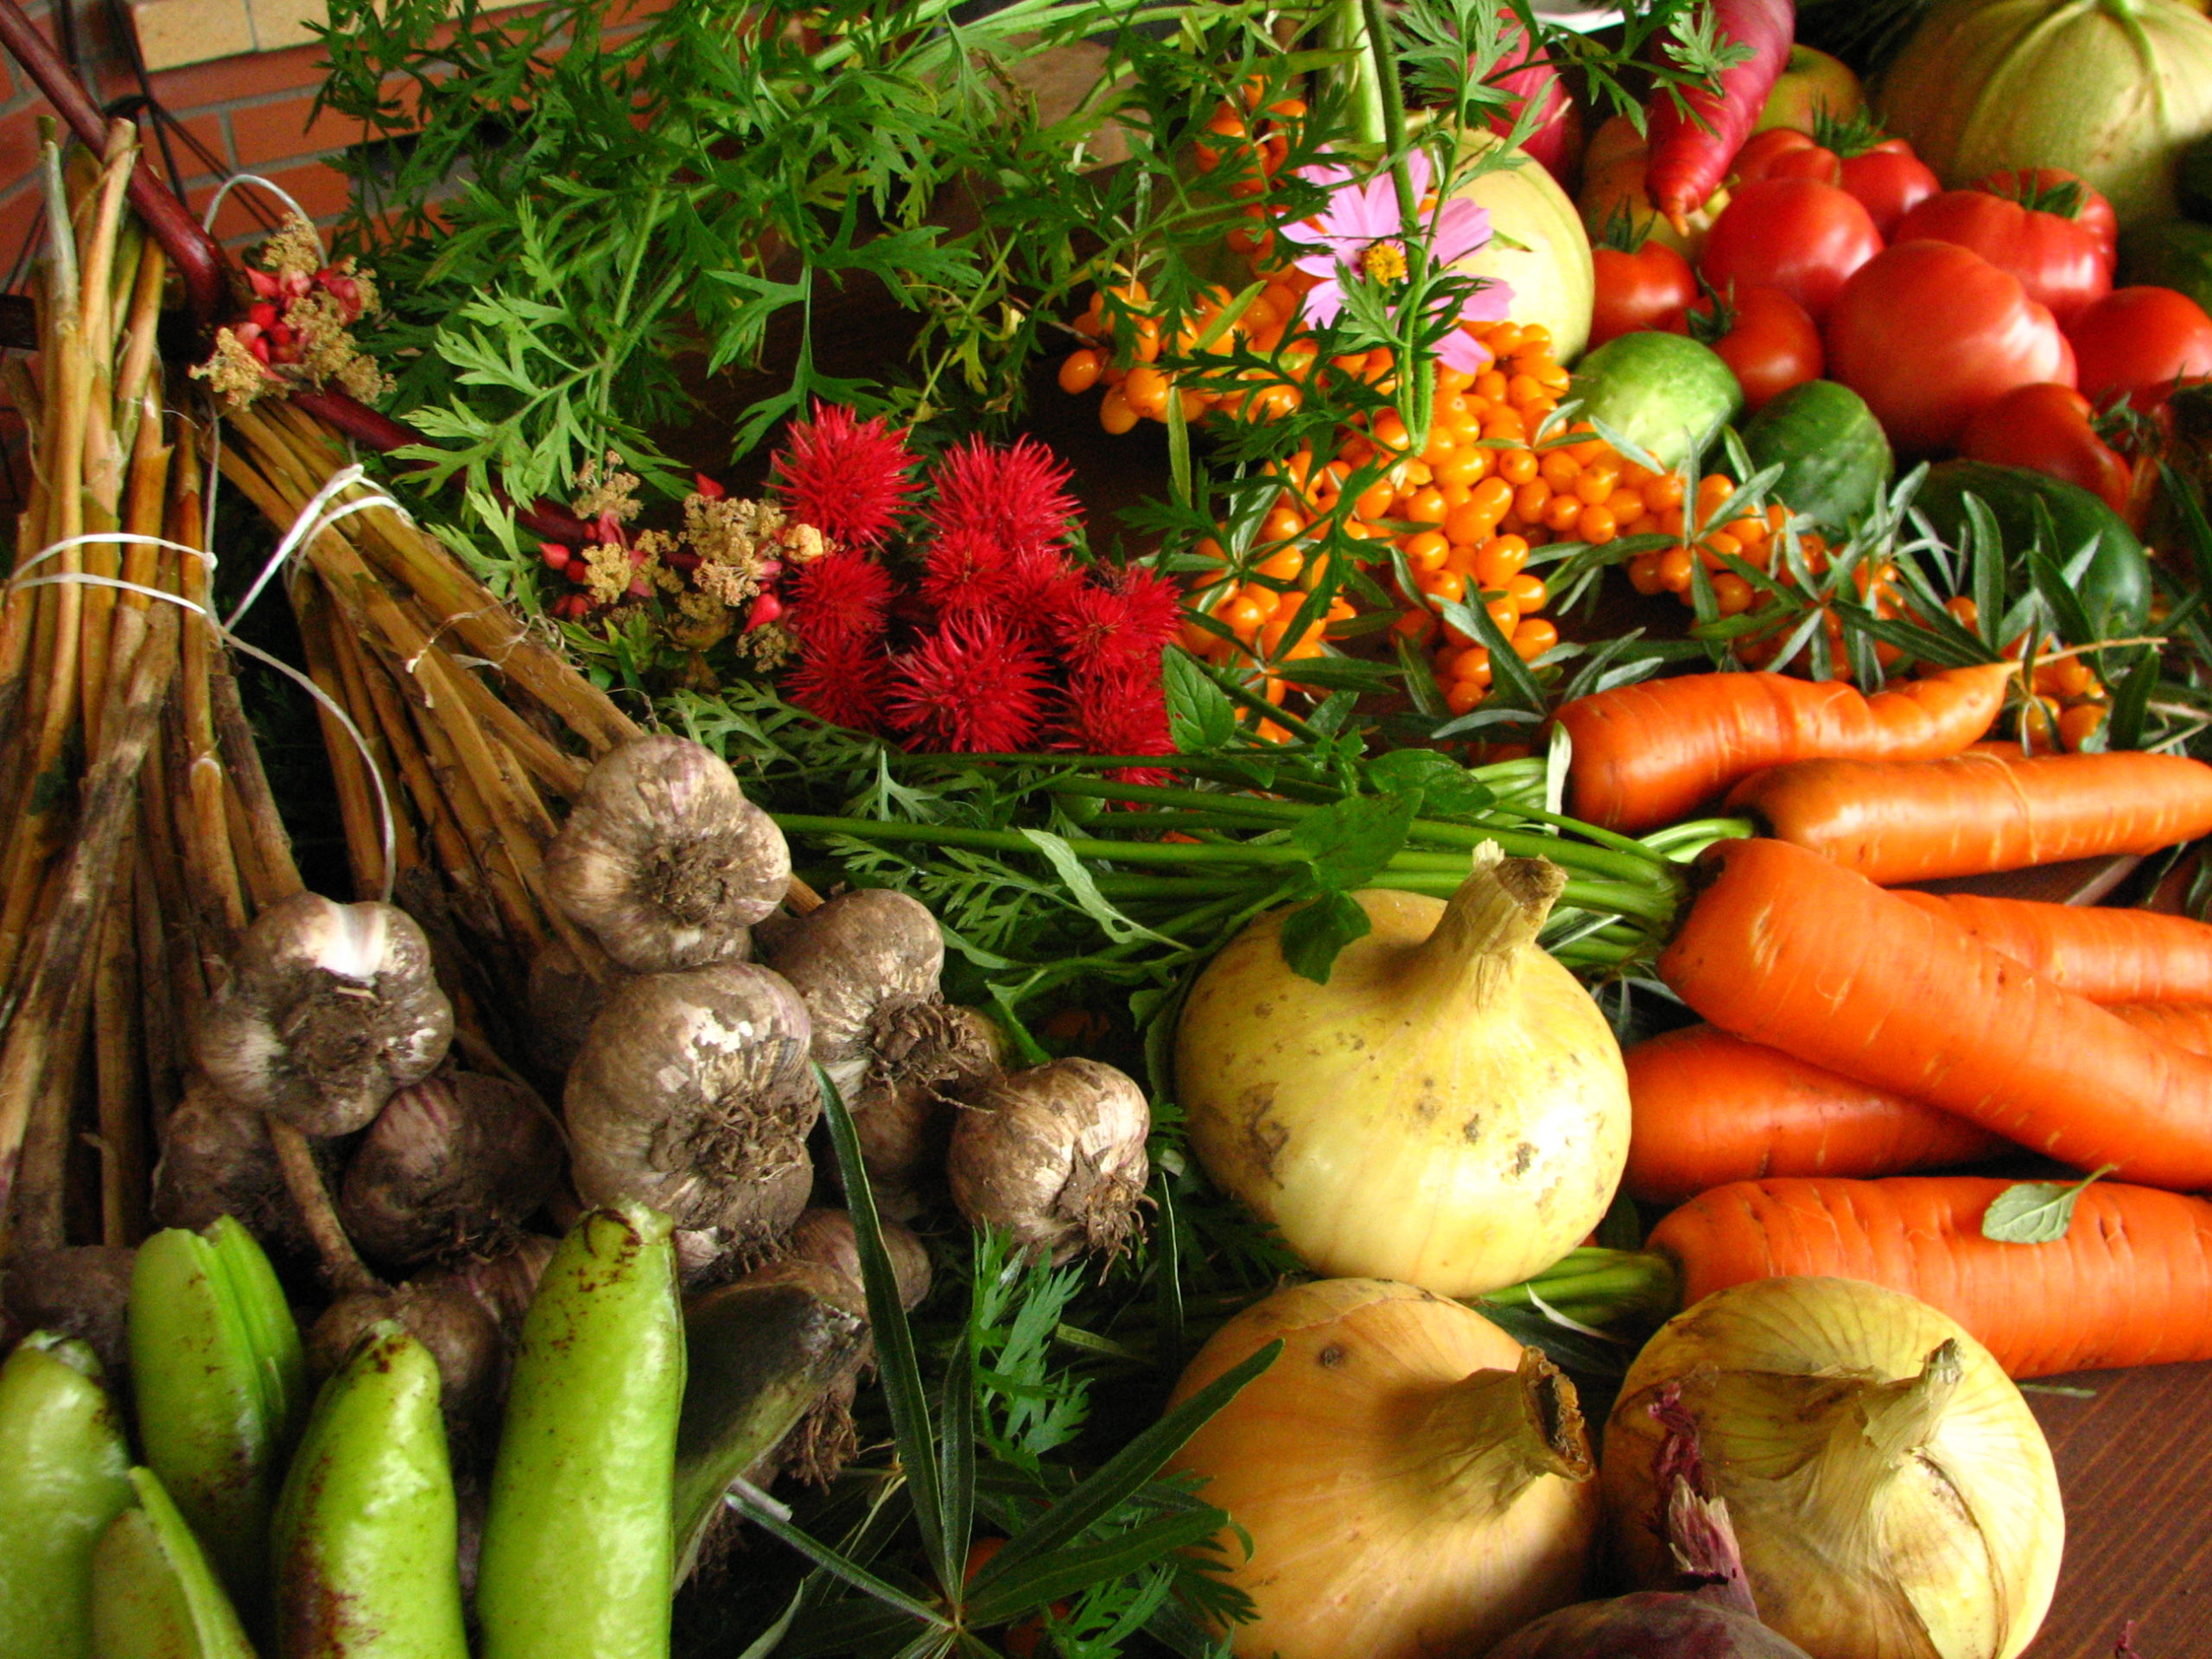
(155, 1595)
(363, 1542)
(222, 1388)
(758, 1359)
(578, 1545)
(64, 1475)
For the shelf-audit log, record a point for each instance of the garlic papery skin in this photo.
(1893, 1495)
(664, 859)
(1450, 1109)
(692, 1094)
(329, 1010)
(1415, 1484)
(1054, 1156)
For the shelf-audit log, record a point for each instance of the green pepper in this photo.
(65, 1473)
(578, 1545)
(155, 1595)
(222, 1388)
(364, 1539)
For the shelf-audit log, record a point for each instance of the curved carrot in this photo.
(1691, 147)
(1705, 1107)
(1894, 821)
(2185, 1024)
(2130, 1284)
(1646, 754)
(1789, 949)
(2106, 955)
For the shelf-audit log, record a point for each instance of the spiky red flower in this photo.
(1013, 495)
(973, 687)
(838, 597)
(1121, 711)
(966, 574)
(1120, 626)
(847, 478)
(843, 681)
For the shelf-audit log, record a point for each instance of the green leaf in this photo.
(1447, 789)
(1350, 842)
(1116, 1480)
(1200, 717)
(831, 1562)
(1076, 1566)
(2036, 1213)
(1084, 889)
(1314, 934)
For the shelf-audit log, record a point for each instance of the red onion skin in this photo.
(1648, 1624)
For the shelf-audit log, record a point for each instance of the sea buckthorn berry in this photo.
(1492, 385)
(1280, 524)
(1505, 613)
(1595, 487)
(1427, 551)
(1472, 663)
(1626, 506)
(1376, 499)
(1079, 372)
(1644, 574)
(1506, 424)
(1283, 566)
(1731, 593)
(1426, 506)
(1747, 530)
(1527, 592)
(1597, 526)
(1115, 413)
(1466, 696)
(1674, 568)
(1494, 494)
(1517, 466)
(1500, 559)
(1534, 638)
(1671, 522)
(1443, 584)
(1146, 391)
(1531, 499)
(1713, 546)
(2071, 677)
(1563, 513)
(1664, 491)
(2079, 723)
(1558, 469)
(1467, 466)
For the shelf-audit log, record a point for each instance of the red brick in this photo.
(19, 147)
(272, 132)
(19, 211)
(199, 86)
(210, 130)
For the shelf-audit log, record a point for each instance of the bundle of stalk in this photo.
(481, 733)
(136, 830)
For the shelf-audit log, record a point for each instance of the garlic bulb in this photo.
(1449, 1111)
(329, 1010)
(692, 1094)
(451, 1167)
(1054, 1156)
(664, 859)
(1415, 1484)
(1892, 1494)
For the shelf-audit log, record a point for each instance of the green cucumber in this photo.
(1663, 393)
(2174, 253)
(2115, 587)
(1836, 460)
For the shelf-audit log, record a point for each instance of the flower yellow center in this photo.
(1384, 261)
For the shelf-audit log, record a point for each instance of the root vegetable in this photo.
(824, 1238)
(1055, 1156)
(501, 1285)
(564, 996)
(664, 859)
(1449, 1111)
(867, 965)
(1892, 1493)
(472, 1356)
(329, 1010)
(451, 1167)
(217, 1160)
(1413, 1481)
(81, 1290)
(692, 1094)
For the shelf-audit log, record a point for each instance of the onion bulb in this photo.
(1450, 1109)
(1414, 1483)
(1891, 1491)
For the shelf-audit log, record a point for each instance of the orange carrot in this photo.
(2185, 1024)
(1895, 821)
(2130, 1284)
(1706, 1108)
(2105, 955)
(1786, 949)
(1646, 754)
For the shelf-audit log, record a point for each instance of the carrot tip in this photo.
(1680, 221)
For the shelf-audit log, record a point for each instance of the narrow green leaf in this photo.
(1074, 1567)
(1121, 1477)
(894, 1340)
(1084, 889)
(956, 1451)
(2037, 1212)
(833, 1563)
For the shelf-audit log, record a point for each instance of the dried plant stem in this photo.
(357, 804)
(119, 1063)
(343, 1270)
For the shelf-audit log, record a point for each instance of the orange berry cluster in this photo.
(2067, 703)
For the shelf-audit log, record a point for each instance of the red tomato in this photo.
(1637, 291)
(1783, 153)
(1929, 332)
(1799, 235)
(2046, 428)
(1762, 334)
(2136, 342)
(2057, 260)
(1889, 181)
(2054, 190)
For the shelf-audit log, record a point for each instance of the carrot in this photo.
(1646, 754)
(1894, 821)
(2185, 1024)
(2130, 1284)
(2104, 955)
(1706, 1108)
(1693, 141)
(1786, 949)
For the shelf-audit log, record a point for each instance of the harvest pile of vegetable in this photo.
(1410, 1046)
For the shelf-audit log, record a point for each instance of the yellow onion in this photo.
(1449, 1109)
(1414, 1483)
(1892, 1494)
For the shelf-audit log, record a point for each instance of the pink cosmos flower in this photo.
(1361, 237)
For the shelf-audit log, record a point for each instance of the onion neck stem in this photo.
(1494, 1434)
(1601, 1286)
(1494, 916)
